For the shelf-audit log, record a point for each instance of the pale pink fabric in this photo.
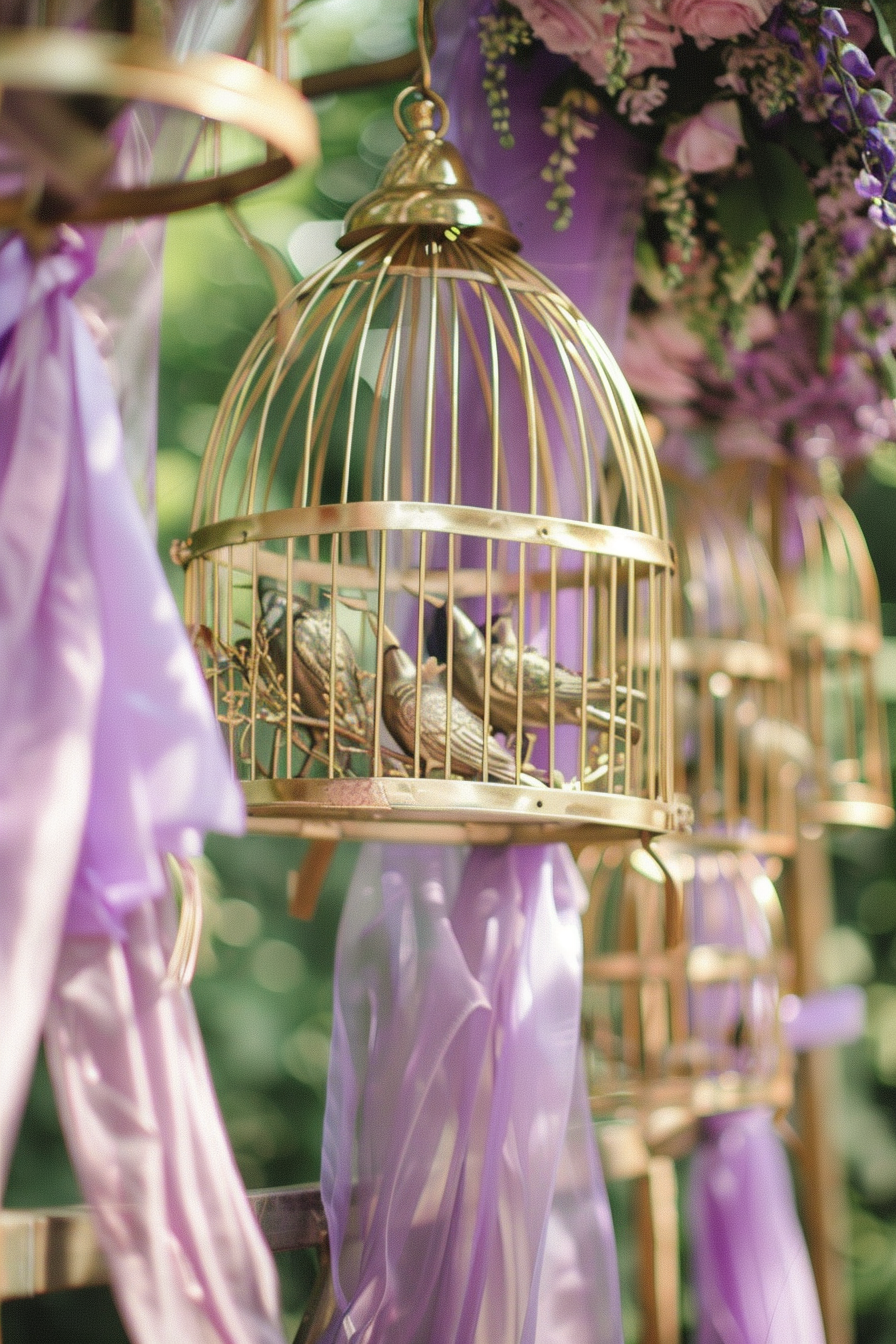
(142, 1124)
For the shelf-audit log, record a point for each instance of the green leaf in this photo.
(791, 251)
(783, 186)
(804, 140)
(885, 13)
(740, 212)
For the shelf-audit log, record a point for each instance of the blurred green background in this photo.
(263, 985)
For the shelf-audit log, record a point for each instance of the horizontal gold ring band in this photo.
(398, 516)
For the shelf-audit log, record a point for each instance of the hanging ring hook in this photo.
(674, 893)
(413, 106)
(184, 954)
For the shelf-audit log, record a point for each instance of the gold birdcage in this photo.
(428, 442)
(680, 1006)
(739, 758)
(833, 608)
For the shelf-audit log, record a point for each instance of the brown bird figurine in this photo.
(469, 679)
(312, 632)
(467, 733)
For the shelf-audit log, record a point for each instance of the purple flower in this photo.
(880, 147)
(839, 116)
(883, 214)
(833, 24)
(868, 110)
(855, 62)
(869, 186)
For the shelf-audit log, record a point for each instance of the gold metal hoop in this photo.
(220, 88)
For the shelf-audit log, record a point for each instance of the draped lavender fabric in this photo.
(112, 755)
(750, 1266)
(141, 1120)
(454, 1065)
(593, 261)
(752, 1273)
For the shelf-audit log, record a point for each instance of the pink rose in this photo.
(565, 26)
(658, 358)
(861, 27)
(885, 69)
(650, 40)
(708, 142)
(714, 20)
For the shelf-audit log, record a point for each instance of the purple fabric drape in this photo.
(141, 1121)
(593, 261)
(453, 1072)
(751, 1268)
(112, 756)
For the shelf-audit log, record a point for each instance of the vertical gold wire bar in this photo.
(452, 499)
(418, 695)
(288, 633)
(730, 772)
(520, 662)
(253, 660)
(552, 672)
(653, 685)
(378, 684)
(631, 651)
(668, 715)
(449, 652)
(335, 547)
(487, 670)
(583, 736)
(611, 643)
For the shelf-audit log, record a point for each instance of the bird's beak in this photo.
(389, 640)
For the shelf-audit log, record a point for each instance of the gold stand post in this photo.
(810, 913)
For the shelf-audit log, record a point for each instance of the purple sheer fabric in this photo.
(593, 261)
(751, 1271)
(830, 1017)
(453, 1072)
(141, 1121)
(111, 756)
(751, 1267)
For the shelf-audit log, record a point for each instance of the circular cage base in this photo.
(451, 812)
(874, 812)
(669, 1106)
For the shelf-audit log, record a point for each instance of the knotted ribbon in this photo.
(111, 757)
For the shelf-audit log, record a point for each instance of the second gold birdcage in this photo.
(834, 619)
(739, 758)
(680, 1006)
(429, 487)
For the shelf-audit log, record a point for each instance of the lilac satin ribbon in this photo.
(111, 756)
(454, 1068)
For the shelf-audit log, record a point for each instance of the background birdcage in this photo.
(681, 1027)
(429, 442)
(739, 758)
(833, 608)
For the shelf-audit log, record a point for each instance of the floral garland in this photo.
(773, 143)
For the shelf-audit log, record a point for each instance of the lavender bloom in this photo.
(833, 24)
(855, 62)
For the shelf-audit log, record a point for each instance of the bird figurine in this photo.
(311, 661)
(467, 732)
(469, 678)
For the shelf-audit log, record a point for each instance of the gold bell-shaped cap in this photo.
(426, 183)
